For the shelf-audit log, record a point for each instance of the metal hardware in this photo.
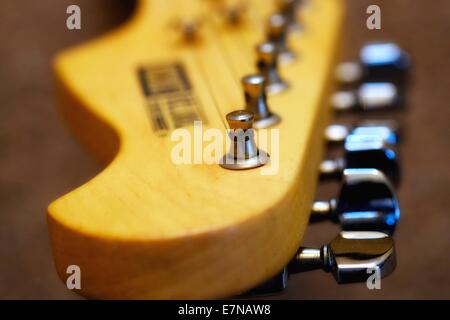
(369, 96)
(289, 9)
(256, 101)
(267, 65)
(243, 153)
(349, 256)
(364, 151)
(277, 31)
(378, 61)
(352, 256)
(388, 130)
(366, 201)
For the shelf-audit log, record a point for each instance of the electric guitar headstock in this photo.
(175, 213)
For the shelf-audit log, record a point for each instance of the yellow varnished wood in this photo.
(147, 228)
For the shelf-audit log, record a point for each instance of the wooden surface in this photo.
(41, 161)
(154, 229)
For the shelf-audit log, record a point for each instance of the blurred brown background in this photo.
(40, 161)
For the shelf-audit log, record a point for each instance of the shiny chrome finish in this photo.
(256, 101)
(267, 65)
(368, 97)
(277, 32)
(332, 169)
(367, 201)
(364, 151)
(243, 153)
(349, 72)
(336, 133)
(289, 9)
(387, 130)
(377, 95)
(349, 256)
(378, 62)
(323, 210)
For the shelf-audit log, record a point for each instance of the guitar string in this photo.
(226, 57)
(225, 50)
(207, 83)
(196, 56)
(244, 37)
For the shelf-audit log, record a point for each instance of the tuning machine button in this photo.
(387, 130)
(364, 151)
(277, 31)
(379, 61)
(368, 97)
(243, 153)
(351, 257)
(366, 201)
(256, 101)
(267, 65)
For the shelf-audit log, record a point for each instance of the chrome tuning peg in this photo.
(267, 65)
(243, 153)
(369, 96)
(256, 101)
(363, 151)
(289, 8)
(351, 257)
(378, 62)
(277, 32)
(366, 201)
(387, 130)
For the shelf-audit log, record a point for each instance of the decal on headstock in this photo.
(170, 98)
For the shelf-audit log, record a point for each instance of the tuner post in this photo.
(277, 32)
(308, 259)
(267, 65)
(243, 153)
(332, 168)
(256, 101)
(289, 9)
(323, 210)
(378, 61)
